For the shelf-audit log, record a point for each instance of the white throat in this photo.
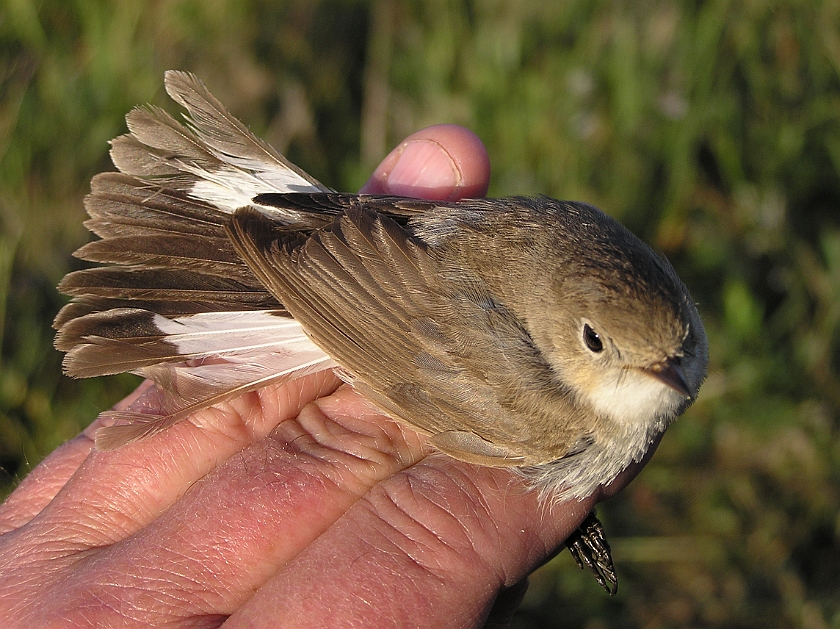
(629, 396)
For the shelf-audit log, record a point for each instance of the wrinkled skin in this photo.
(293, 506)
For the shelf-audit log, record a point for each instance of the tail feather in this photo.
(128, 339)
(208, 255)
(152, 285)
(175, 302)
(120, 205)
(231, 141)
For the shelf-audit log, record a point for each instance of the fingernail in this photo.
(424, 169)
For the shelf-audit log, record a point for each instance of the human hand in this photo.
(293, 506)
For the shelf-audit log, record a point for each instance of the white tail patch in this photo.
(247, 166)
(191, 386)
(235, 335)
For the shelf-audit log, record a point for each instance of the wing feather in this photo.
(372, 294)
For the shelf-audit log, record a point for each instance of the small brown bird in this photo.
(522, 332)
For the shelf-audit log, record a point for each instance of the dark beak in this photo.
(671, 373)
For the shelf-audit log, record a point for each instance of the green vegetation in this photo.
(711, 128)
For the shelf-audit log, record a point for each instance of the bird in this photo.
(521, 332)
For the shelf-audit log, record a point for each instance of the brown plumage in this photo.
(523, 331)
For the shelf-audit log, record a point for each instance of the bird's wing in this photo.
(429, 349)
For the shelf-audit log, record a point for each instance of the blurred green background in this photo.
(711, 128)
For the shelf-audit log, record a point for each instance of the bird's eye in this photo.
(592, 339)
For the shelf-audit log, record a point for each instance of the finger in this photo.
(118, 493)
(443, 162)
(42, 484)
(218, 544)
(431, 546)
